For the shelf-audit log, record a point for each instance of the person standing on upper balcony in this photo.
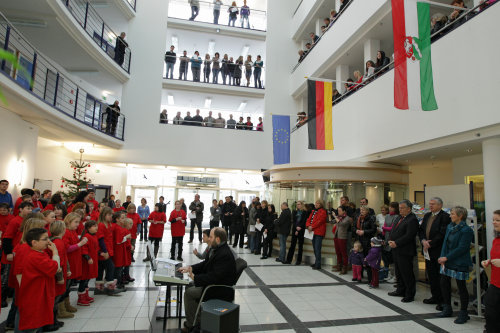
(209, 121)
(382, 61)
(308, 48)
(249, 124)
(217, 4)
(112, 114)
(240, 125)
(120, 47)
(170, 59)
(197, 120)
(245, 13)
(231, 123)
(225, 69)
(257, 72)
(333, 17)
(230, 70)
(184, 65)
(188, 120)
(163, 118)
(314, 38)
(233, 13)
(237, 71)
(178, 119)
(195, 9)
(206, 69)
(196, 66)
(248, 69)
(215, 67)
(260, 125)
(220, 122)
(343, 4)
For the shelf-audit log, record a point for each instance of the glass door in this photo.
(148, 193)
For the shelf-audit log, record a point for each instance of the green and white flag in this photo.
(413, 80)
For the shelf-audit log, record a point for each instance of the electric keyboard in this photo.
(167, 273)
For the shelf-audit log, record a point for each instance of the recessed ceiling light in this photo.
(242, 106)
(468, 150)
(208, 102)
(170, 99)
(211, 47)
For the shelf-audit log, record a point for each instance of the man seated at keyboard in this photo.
(219, 268)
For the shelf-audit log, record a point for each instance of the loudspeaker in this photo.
(220, 317)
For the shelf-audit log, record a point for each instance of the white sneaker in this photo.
(391, 279)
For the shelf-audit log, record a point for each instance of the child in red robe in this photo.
(136, 219)
(106, 251)
(5, 218)
(73, 250)
(89, 260)
(38, 282)
(57, 231)
(178, 229)
(126, 278)
(157, 222)
(120, 237)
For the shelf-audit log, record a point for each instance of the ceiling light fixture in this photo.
(211, 47)
(175, 42)
(244, 51)
(170, 99)
(208, 102)
(469, 150)
(242, 106)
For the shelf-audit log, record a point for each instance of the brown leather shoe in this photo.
(343, 271)
(336, 268)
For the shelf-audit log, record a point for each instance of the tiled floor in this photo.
(272, 298)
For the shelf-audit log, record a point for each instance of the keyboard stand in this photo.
(161, 281)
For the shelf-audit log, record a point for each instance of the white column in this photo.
(342, 74)
(491, 170)
(337, 5)
(371, 47)
(319, 23)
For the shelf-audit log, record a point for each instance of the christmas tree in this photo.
(80, 180)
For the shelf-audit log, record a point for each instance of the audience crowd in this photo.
(53, 244)
(209, 121)
(230, 70)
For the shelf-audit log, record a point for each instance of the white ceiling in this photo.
(191, 41)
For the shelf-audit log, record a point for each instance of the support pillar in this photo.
(371, 47)
(319, 23)
(491, 170)
(342, 74)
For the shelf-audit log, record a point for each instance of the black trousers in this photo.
(258, 241)
(144, 230)
(178, 241)
(492, 313)
(241, 237)
(462, 291)
(432, 269)
(156, 242)
(197, 223)
(403, 265)
(108, 266)
(291, 251)
(267, 245)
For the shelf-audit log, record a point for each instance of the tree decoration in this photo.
(80, 180)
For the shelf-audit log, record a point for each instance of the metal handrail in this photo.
(223, 13)
(93, 24)
(50, 85)
(441, 32)
(195, 123)
(327, 29)
(132, 3)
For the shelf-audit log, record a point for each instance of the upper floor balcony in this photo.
(208, 18)
(44, 94)
(381, 131)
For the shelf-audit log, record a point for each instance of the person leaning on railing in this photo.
(164, 117)
(178, 119)
(112, 114)
(120, 47)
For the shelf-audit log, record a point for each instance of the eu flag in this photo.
(281, 139)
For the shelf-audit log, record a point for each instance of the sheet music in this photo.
(308, 234)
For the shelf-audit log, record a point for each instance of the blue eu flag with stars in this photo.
(281, 139)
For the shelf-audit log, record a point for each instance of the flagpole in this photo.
(325, 80)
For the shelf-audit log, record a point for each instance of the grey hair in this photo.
(406, 202)
(460, 211)
(365, 208)
(438, 200)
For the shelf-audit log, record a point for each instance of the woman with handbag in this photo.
(268, 232)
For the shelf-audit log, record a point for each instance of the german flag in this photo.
(319, 107)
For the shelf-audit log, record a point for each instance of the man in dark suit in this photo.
(404, 249)
(219, 269)
(163, 205)
(364, 202)
(431, 235)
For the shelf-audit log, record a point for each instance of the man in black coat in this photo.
(227, 215)
(120, 47)
(170, 59)
(162, 205)
(219, 268)
(197, 208)
(282, 228)
(431, 235)
(404, 248)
